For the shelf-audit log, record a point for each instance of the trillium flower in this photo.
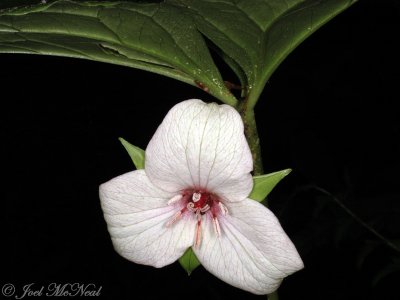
(193, 193)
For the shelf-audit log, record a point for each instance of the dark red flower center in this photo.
(198, 202)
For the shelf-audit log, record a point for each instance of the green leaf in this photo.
(136, 154)
(172, 38)
(157, 37)
(189, 261)
(257, 35)
(264, 184)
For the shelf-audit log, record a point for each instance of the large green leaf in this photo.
(171, 38)
(255, 36)
(157, 37)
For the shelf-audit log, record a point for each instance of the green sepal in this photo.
(189, 261)
(136, 153)
(264, 184)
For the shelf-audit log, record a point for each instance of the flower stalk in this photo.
(251, 133)
(246, 111)
(273, 296)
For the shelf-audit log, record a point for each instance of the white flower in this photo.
(193, 193)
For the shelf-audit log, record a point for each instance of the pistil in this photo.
(200, 203)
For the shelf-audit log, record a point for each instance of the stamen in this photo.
(199, 202)
(174, 199)
(223, 208)
(198, 231)
(205, 208)
(196, 197)
(217, 228)
(175, 217)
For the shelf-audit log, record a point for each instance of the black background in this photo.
(329, 112)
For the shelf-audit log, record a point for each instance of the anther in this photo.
(223, 208)
(217, 228)
(198, 231)
(174, 199)
(175, 217)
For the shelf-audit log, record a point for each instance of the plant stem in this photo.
(251, 133)
(246, 110)
(273, 296)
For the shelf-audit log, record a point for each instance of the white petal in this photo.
(202, 146)
(253, 252)
(136, 213)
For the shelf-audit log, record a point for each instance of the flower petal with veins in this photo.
(253, 252)
(193, 193)
(136, 213)
(201, 145)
